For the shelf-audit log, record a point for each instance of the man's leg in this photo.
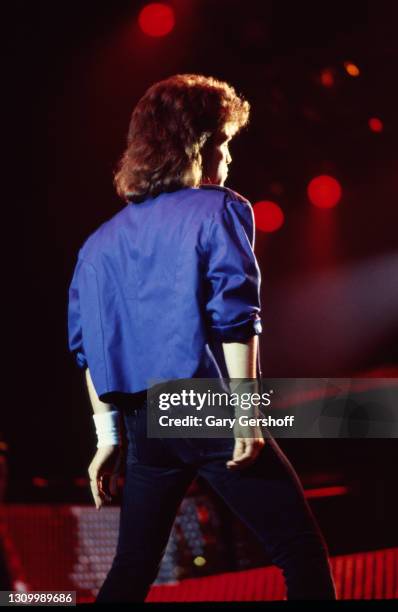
(269, 498)
(155, 483)
(151, 497)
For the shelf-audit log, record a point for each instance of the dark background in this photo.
(329, 290)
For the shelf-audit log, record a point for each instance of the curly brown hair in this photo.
(169, 127)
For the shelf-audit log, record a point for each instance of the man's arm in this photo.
(98, 406)
(241, 358)
(107, 425)
(241, 362)
(107, 458)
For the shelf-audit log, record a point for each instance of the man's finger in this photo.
(248, 454)
(98, 492)
(238, 451)
(95, 493)
(251, 451)
(104, 488)
(238, 448)
(241, 462)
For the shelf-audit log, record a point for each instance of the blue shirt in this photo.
(159, 286)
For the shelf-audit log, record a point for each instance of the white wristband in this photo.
(108, 428)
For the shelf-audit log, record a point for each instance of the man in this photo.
(166, 289)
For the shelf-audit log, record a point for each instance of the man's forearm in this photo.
(241, 358)
(98, 406)
(241, 362)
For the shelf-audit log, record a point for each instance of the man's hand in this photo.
(249, 441)
(103, 472)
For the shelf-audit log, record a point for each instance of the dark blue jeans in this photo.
(267, 496)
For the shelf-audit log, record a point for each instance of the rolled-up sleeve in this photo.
(233, 276)
(75, 334)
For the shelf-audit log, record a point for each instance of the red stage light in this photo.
(375, 124)
(326, 491)
(203, 514)
(156, 19)
(268, 216)
(327, 78)
(37, 481)
(352, 69)
(324, 191)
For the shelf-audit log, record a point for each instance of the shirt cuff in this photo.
(81, 360)
(240, 332)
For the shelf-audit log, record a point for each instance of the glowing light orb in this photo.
(268, 216)
(156, 19)
(327, 78)
(352, 69)
(324, 191)
(375, 124)
(199, 561)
